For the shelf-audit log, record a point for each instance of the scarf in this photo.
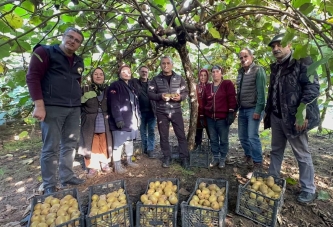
(98, 88)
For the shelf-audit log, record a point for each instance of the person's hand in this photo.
(202, 121)
(39, 113)
(256, 116)
(176, 97)
(120, 124)
(165, 98)
(300, 128)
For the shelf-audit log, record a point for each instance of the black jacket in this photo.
(137, 84)
(61, 84)
(120, 107)
(295, 87)
(159, 85)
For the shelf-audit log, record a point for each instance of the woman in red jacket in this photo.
(201, 121)
(219, 103)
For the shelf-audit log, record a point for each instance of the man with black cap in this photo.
(289, 88)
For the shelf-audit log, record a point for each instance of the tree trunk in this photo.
(183, 53)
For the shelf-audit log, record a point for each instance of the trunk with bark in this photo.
(183, 53)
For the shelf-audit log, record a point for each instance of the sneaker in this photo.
(214, 162)
(152, 155)
(257, 167)
(246, 161)
(92, 173)
(222, 164)
(166, 162)
(306, 197)
(50, 190)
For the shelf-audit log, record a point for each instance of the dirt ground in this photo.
(20, 178)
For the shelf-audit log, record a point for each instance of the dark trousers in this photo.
(163, 123)
(198, 135)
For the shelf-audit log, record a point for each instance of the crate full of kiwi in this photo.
(109, 205)
(261, 198)
(158, 206)
(207, 205)
(58, 209)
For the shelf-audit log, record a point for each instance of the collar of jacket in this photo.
(291, 61)
(173, 74)
(242, 70)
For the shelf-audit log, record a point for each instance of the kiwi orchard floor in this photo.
(20, 178)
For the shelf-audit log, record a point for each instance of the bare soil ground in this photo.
(20, 178)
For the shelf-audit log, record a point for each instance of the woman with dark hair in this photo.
(95, 139)
(201, 120)
(124, 118)
(219, 103)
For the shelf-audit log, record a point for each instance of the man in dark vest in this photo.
(290, 88)
(53, 79)
(147, 109)
(168, 89)
(251, 82)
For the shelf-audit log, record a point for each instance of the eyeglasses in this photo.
(72, 38)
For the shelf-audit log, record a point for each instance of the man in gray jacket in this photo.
(168, 90)
(290, 89)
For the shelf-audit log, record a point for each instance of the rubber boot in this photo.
(130, 163)
(118, 168)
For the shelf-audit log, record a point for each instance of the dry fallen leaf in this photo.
(183, 191)
(10, 208)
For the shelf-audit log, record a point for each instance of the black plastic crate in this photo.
(157, 215)
(137, 147)
(193, 216)
(201, 158)
(118, 217)
(78, 222)
(263, 212)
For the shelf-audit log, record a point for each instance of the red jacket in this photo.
(217, 105)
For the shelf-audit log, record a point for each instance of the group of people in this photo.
(105, 119)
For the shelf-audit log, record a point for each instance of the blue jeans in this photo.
(248, 133)
(148, 121)
(60, 128)
(219, 137)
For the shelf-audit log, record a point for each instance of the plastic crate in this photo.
(78, 222)
(137, 147)
(119, 217)
(157, 215)
(202, 217)
(259, 212)
(201, 158)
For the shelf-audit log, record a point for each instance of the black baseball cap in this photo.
(276, 38)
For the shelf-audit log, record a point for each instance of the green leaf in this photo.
(214, 33)
(300, 51)
(301, 114)
(28, 6)
(4, 51)
(312, 68)
(291, 181)
(298, 3)
(306, 8)
(323, 195)
(4, 28)
(159, 2)
(288, 37)
(196, 18)
(35, 20)
(23, 134)
(66, 18)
